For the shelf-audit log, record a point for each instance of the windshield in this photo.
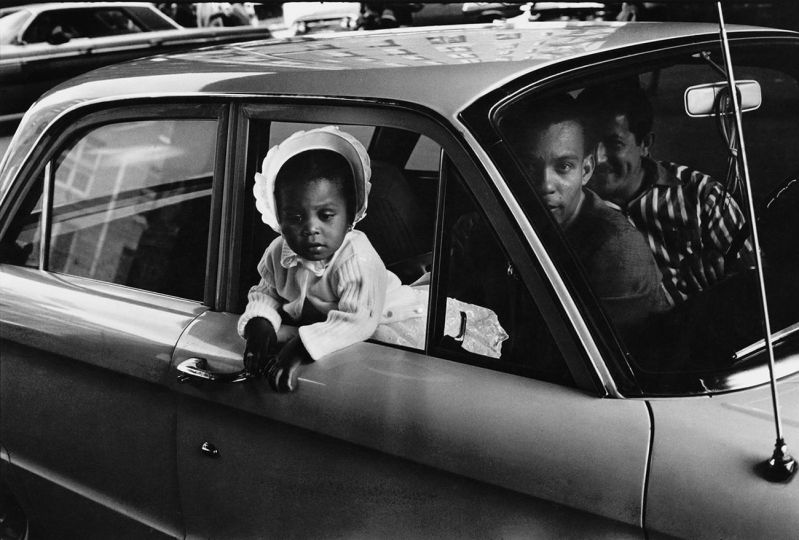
(647, 193)
(11, 24)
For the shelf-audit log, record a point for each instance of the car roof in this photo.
(443, 68)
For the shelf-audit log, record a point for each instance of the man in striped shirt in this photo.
(692, 225)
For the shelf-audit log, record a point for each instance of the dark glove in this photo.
(261, 336)
(284, 368)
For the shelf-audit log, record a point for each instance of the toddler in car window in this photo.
(320, 273)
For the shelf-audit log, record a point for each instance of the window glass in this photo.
(40, 29)
(425, 155)
(115, 21)
(151, 19)
(663, 190)
(131, 205)
(489, 313)
(80, 23)
(21, 246)
(280, 131)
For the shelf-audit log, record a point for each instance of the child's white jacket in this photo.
(354, 289)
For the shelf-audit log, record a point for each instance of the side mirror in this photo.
(58, 36)
(700, 100)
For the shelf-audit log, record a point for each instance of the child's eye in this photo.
(292, 217)
(327, 216)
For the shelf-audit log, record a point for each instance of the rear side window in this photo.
(130, 205)
(490, 318)
(398, 223)
(84, 23)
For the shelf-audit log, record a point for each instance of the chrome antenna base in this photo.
(781, 466)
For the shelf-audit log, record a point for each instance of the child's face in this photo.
(313, 218)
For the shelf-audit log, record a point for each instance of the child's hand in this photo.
(260, 336)
(284, 368)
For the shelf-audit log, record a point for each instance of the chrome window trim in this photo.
(47, 201)
(761, 344)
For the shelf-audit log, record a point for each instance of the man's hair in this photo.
(315, 165)
(525, 120)
(627, 98)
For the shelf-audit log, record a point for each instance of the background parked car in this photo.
(42, 45)
(311, 17)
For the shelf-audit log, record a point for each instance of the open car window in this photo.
(689, 209)
(93, 22)
(399, 219)
(421, 213)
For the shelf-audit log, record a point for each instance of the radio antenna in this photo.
(781, 466)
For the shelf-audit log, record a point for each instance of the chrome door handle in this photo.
(197, 369)
(209, 450)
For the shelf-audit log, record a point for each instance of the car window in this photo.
(489, 315)
(149, 18)
(130, 205)
(398, 223)
(425, 155)
(687, 204)
(486, 315)
(78, 23)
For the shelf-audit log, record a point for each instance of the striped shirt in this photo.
(685, 214)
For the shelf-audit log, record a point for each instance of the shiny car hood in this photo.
(757, 403)
(707, 452)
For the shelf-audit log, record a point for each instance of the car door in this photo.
(381, 440)
(103, 267)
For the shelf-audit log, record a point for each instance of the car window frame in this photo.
(70, 127)
(86, 12)
(418, 120)
(482, 116)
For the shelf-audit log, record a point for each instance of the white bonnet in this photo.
(324, 138)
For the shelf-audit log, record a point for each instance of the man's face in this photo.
(559, 168)
(619, 170)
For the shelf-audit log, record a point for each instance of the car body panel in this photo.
(346, 490)
(452, 418)
(720, 443)
(92, 382)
